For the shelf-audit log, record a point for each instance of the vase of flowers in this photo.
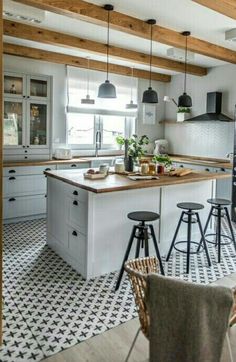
(163, 161)
(134, 149)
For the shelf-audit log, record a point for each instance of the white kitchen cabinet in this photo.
(27, 115)
(24, 192)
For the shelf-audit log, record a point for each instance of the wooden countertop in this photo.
(43, 163)
(120, 182)
(208, 162)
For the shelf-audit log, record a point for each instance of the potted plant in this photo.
(162, 160)
(134, 149)
(183, 113)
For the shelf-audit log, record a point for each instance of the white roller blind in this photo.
(77, 89)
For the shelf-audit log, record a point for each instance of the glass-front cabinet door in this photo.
(14, 124)
(38, 87)
(14, 85)
(38, 113)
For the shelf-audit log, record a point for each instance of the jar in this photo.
(152, 168)
(145, 168)
(119, 166)
(160, 169)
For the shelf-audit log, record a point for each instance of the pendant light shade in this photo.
(107, 89)
(87, 99)
(150, 95)
(131, 104)
(185, 100)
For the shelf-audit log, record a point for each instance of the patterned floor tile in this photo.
(49, 307)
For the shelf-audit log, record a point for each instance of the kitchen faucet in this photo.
(98, 140)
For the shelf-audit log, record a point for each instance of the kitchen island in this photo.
(87, 221)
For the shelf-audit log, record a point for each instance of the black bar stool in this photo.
(219, 210)
(140, 232)
(190, 217)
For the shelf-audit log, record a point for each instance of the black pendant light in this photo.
(107, 89)
(131, 104)
(185, 100)
(87, 100)
(150, 95)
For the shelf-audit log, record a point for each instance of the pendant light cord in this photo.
(88, 77)
(150, 65)
(108, 40)
(185, 64)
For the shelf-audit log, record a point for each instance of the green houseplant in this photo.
(183, 113)
(163, 160)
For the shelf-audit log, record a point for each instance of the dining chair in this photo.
(137, 270)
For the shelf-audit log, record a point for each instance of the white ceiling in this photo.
(175, 14)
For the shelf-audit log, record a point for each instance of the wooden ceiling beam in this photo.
(224, 7)
(41, 35)
(59, 58)
(89, 12)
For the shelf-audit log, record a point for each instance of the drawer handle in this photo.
(181, 166)
(74, 233)
(12, 178)
(222, 169)
(75, 203)
(47, 169)
(73, 165)
(11, 171)
(12, 199)
(75, 193)
(207, 169)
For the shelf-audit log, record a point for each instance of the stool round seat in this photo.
(190, 206)
(143, 216)
(220, 202)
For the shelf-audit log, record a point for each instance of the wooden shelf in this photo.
(170, 122)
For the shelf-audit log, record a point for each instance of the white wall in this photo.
(212, 139)
(155, 131)
(58, 72)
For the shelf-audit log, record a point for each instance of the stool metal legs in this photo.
(189, 234)
(126, 257)
(230, 226)
(142, 241)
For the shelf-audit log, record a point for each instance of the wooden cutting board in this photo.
(181, 172)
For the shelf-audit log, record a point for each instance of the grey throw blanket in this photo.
(188, 322)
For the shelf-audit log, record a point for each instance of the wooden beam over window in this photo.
(95, 14)
(32, 53)
(41, 35)
(225, 7)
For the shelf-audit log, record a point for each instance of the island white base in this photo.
(91, 230)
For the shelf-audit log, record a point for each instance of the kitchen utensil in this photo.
(181, 172)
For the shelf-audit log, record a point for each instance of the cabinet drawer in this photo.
(36, 157)
(77, 193)
(77, 214)
(77, 249)
(67, 166)
(27, 170)
(24, 206)
(24, 185)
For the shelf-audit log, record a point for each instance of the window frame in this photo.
(129, 118)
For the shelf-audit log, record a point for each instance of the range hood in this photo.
(213, 111)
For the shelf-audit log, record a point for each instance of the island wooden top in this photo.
(117, 182)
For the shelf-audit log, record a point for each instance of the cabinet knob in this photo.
(28, 96)
(75, 193)
(12, 199)
(73, 165)
(26, 157)
(23, 146)
(74, 233)
(27, 146)
(12, 178)
(75, 203)
(26, 151)
(12, 171)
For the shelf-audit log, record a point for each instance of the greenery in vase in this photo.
(183, 110)
(163, 160)
(135, 145)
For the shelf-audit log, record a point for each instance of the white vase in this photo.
(182, 116)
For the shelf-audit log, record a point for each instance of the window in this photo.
(108, 116)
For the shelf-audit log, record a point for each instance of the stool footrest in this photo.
(221, 236)
(191, 243)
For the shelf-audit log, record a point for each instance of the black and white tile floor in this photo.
(48, 307)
